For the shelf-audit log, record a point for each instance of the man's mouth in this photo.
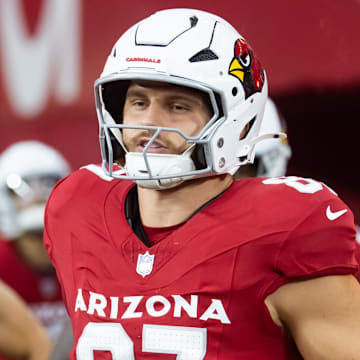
(155, 147)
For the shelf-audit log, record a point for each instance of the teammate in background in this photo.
(271, 156)
(187, 261)
(28, 172)
(21, 335)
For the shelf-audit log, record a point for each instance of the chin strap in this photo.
(153, 165)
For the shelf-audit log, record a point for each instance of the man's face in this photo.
(29, 199)
(155, 104)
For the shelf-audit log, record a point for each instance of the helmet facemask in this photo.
(151, 170)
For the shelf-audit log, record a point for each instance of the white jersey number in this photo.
(306, 186)
(189, 343)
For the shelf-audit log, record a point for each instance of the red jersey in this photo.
(199, 293)
(40, 291)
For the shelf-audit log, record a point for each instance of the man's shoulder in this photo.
(287, 189)
(312, 225)
(85, 176)
(290, 201)
(87, 185)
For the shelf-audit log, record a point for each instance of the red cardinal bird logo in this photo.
(247, 68)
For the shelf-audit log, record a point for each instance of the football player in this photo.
(28, 172)
(270, 160)
(21, 335)
(160, 253)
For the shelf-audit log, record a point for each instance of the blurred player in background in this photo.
(272, 155)
(21, 334)
(28, 172)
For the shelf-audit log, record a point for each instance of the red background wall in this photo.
(309, 48)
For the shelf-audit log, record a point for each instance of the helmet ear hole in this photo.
(113, 95)
(198, 157)
(118, 152)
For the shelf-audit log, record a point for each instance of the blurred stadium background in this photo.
(51, 51)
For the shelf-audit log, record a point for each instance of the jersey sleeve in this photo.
(56, 226)
(48, 219)
(322, 243)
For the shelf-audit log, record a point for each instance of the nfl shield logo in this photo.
(145, 264)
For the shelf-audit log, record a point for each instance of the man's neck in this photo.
(160, 208)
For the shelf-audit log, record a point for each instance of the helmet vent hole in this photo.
(247, 129)
(204, 55)
(234, 91)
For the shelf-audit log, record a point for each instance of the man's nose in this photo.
(153, 116)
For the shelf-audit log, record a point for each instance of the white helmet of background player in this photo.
(28, 172)
(194, 49)
(272, 156)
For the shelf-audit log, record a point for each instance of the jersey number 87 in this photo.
(189, 343)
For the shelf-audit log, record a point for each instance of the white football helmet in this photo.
(195, 49)
(28, 172)
(272, 155)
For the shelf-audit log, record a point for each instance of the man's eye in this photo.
(138, 103)
(179, 107)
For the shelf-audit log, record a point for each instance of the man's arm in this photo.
(21, 335)
(322, 315)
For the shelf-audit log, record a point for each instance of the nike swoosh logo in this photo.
(333, 215)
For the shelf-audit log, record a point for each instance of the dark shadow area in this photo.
(324, 133)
